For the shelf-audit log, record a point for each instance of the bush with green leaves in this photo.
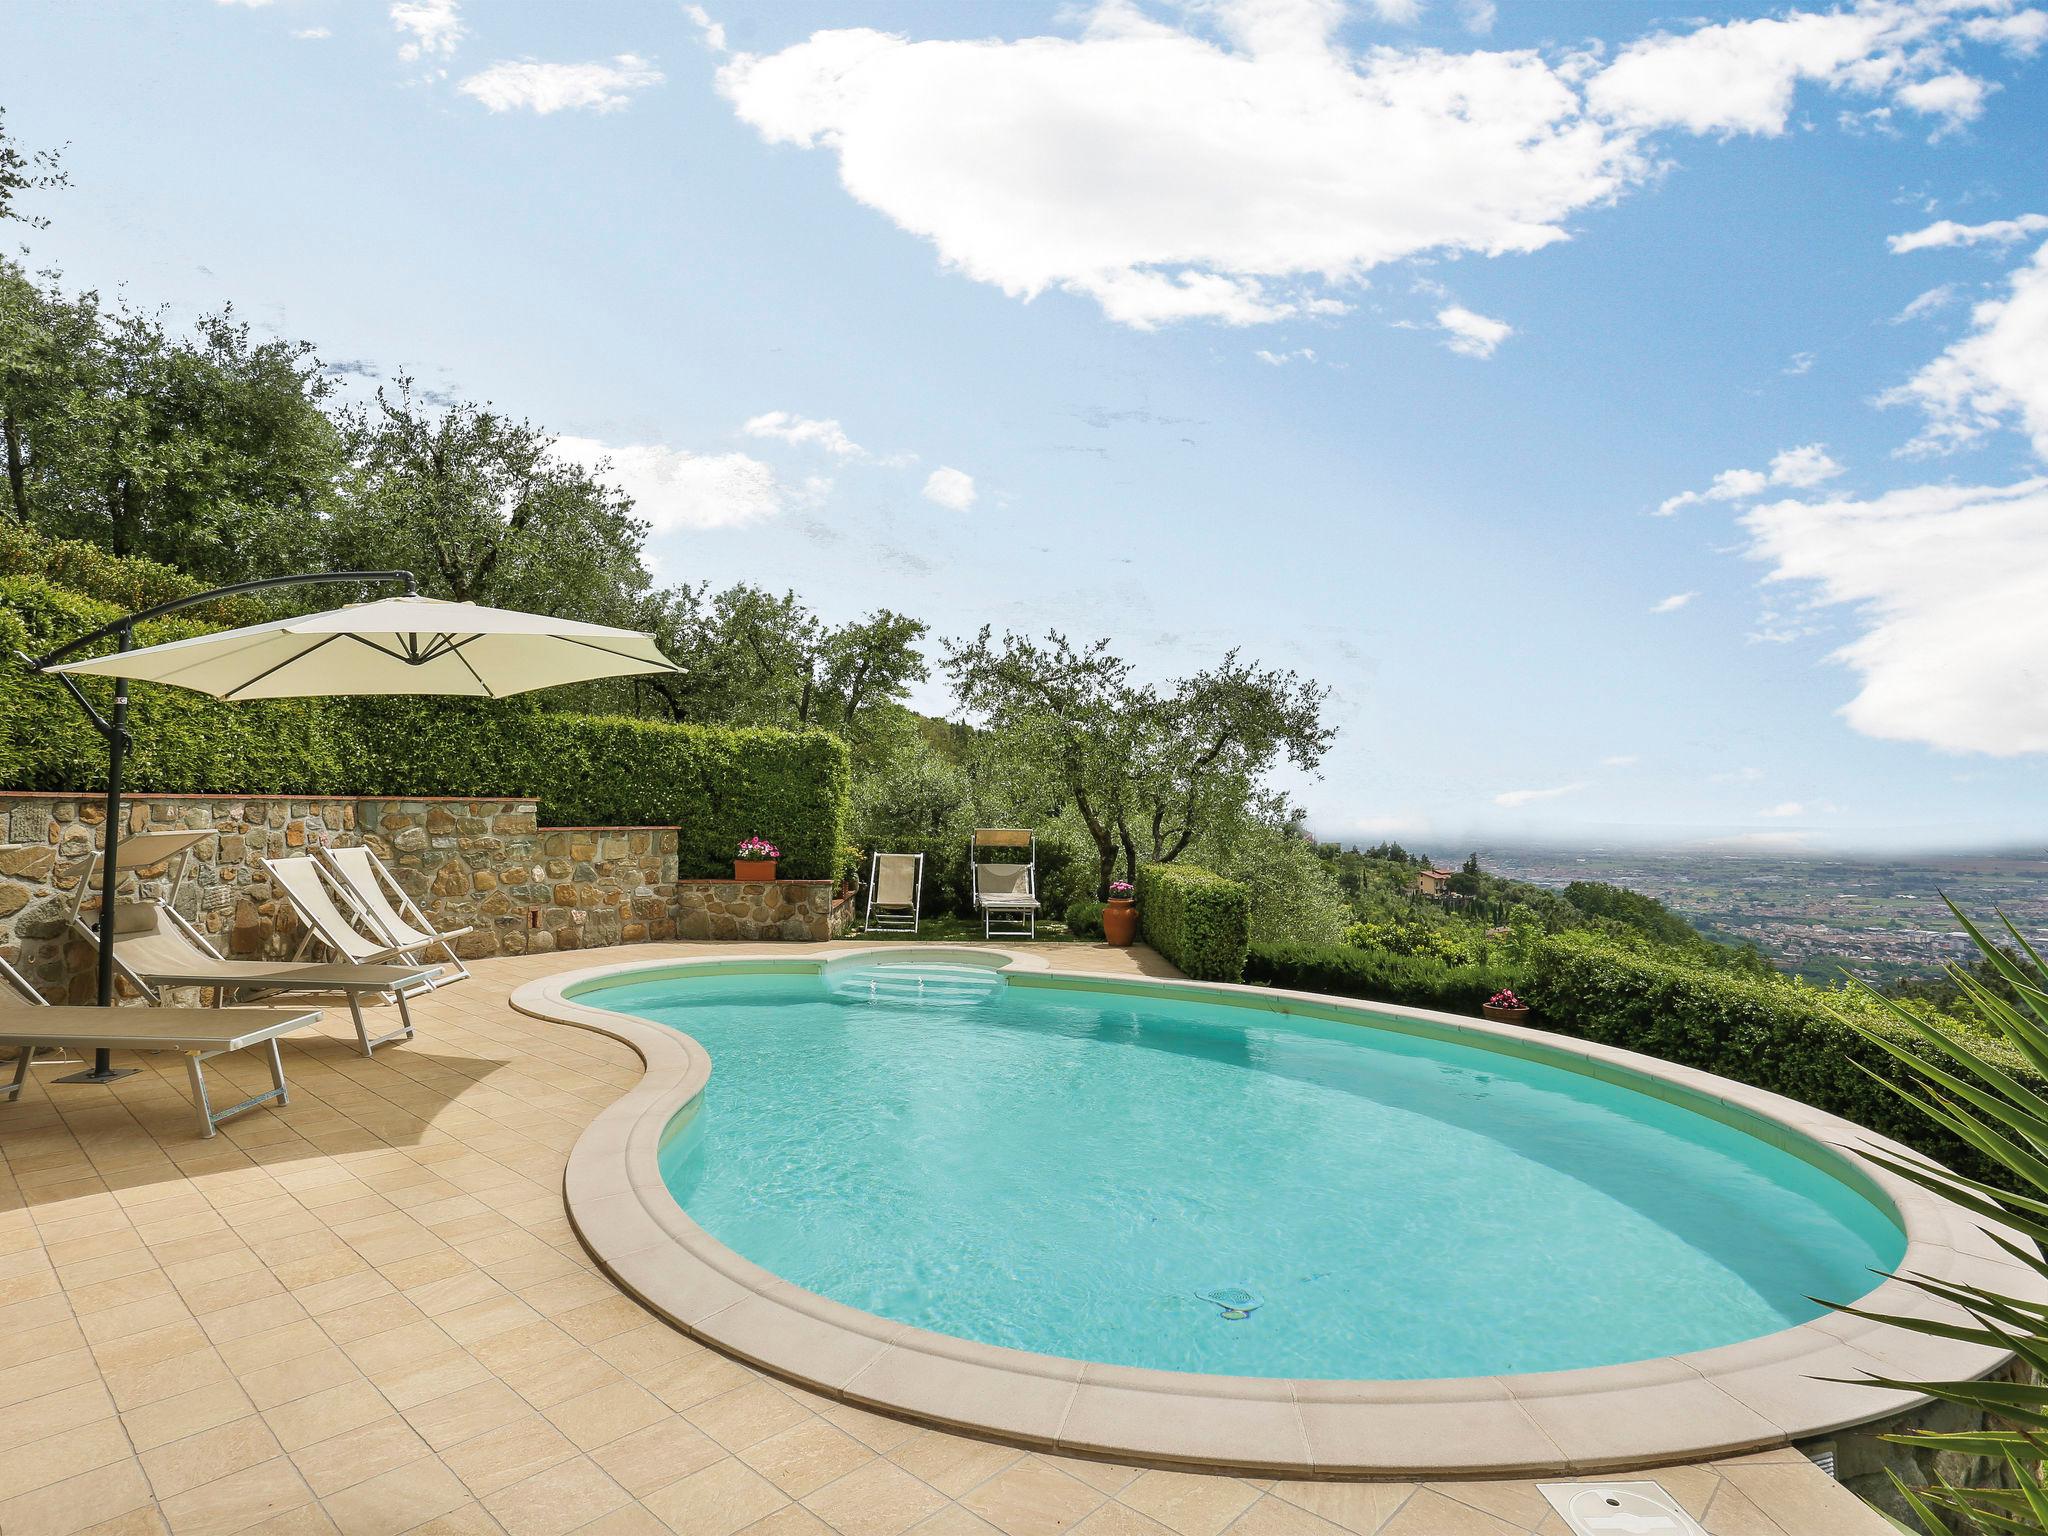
(1198, 920)
(714, 784)
(1418, 980)
(1084, 917)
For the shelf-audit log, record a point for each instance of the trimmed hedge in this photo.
(1419, 981)
(714, 784)
(1766, 1031)
(1197, 919)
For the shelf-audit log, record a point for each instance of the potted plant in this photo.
(1120, 916)
(755, 860)
(1506, 1008)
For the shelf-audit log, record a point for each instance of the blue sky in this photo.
(1372, 340)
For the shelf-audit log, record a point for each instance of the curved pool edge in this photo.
(1752, 1395)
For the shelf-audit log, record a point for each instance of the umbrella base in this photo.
(96, 1076)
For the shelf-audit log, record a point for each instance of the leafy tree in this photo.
(479, 506)
(211, 452)
(1147, 771)
(37, 171)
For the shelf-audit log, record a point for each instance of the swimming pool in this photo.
(1179, 1182)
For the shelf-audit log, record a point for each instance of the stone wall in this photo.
(487, 864)
(760, 909)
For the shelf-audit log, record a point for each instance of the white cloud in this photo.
(1995, 376)
(596, 86)
(1956, 98)
(1800, 363)
(1804, 466)
(1737, 776)
(1949, 585)
(1741, 76)
(1061, 162)
(1623, 760)
(1800, 467)
(673, 488)
(1784, 808)
(2020, 34)
(312, 34)
(1517, 797)
(1472, 335)
(1478, 16)
(432, 28)
(1281, 359)
(1402, 13)
(951, 488)
(1926, 303)
(789, 427)
(1949, 232)
(1673, 603)
(712, 33)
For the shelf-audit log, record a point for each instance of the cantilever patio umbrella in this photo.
(409, 644)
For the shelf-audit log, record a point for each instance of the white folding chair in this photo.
(393, 915)
(1006, 894)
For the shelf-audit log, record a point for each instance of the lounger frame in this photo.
(890, 917)
(1005, 914)
(402, 906)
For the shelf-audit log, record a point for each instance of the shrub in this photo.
(1084, 918)
(1198, 920)
(1765, 1031)
(714, 784)
(1419, 980)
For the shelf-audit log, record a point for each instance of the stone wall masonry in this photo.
(487, 864)
(760, 909)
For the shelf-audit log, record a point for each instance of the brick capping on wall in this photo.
(469, 861)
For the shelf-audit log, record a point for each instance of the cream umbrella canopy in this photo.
(394, 645)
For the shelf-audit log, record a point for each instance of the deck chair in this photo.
(55, 1056)
(155, 948)
(895, 884)
(1005, 894)
(392, 915)
(336, 924)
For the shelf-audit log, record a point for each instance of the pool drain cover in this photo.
(1235, 1302)
(1619, 1509)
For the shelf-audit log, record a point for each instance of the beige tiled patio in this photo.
(367, 1313)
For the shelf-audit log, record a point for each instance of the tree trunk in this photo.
(17, 474)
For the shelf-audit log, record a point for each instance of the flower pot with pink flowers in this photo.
(1120, 915)
(755, 860)
(1506, 1008)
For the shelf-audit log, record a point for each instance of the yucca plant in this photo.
(1958, 1085)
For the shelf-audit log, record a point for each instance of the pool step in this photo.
(916, 985)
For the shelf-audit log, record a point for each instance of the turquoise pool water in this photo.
(1191, 1186)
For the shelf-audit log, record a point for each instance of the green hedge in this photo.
(1766, 1031)
(1084, 918)
(1419, 981)
(714, 784)
(1198, 920)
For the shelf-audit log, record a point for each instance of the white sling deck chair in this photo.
(155, 948)
(895, 884)
(1006, 894)
(311, 891)
(393, 915)
(58, 1057)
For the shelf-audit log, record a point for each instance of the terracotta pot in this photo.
(753, 869)
(1120, 921)
(1505, 1015)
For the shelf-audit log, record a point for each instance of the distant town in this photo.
(1877, 918)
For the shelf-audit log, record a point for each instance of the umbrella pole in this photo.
(103, 1068)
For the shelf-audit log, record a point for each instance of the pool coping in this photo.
(1760, 1393)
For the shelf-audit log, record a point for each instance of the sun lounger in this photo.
(392, 915)
(309, 889)
(1006, 894)
(895, 882)
(11, 978)
(155, 948)
(197, 1034)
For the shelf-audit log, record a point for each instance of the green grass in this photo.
(949, 929)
